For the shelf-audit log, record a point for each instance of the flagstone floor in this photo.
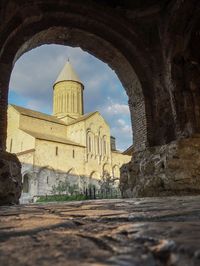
(143, 231)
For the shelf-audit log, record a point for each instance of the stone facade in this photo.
(69, 146)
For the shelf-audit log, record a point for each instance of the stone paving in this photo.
(142, 231)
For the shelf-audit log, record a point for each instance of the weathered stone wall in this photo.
(42, 180)
(10, 181)
(152, 45)
(171, 169)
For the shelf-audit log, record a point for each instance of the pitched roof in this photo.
(51, 138)
(129, 150)
(67, 73)
(82, 118)
(39, 115)
(25, 152)
(116, 151)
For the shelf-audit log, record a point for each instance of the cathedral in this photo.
(66, 145)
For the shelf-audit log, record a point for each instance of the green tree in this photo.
(64, 187)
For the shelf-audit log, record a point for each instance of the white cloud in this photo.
(121, 122)
(123, 133)
(39, 105)
(124, 127)
(93, 83)
(127, 129)
(117, 108)
(33, 73)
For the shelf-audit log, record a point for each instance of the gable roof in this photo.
(25, 152)
(51, 138)
(36, 114)
(83, 117)
(50, 118)
(67, 74)
(129, 150)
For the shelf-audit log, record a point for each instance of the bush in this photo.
(64, 187)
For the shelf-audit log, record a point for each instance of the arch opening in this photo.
(26, 183)
(110, 47)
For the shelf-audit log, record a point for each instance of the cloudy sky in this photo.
(35, 72)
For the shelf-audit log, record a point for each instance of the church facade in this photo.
(66, 145)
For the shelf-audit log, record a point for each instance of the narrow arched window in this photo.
(96, 145)
(98, 149)
(104, 146)
(73, 153)
(56, 151)
(73, 101)
(11, 142)
(90, 144)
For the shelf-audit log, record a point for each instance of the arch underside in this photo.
(116, 45)
(120, 41)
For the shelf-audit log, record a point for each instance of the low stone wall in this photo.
(10, 179)
(172, 169)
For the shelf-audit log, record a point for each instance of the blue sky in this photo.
(34, 73)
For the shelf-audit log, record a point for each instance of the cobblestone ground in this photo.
(146, 232)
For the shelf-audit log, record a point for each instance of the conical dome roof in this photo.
(67, 73)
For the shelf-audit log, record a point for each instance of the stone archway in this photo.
(133, 38)
(74, 178)
(118, 44)
(94, 179)
(182, 56)
(107, 169)
(95, 175)
(26, 183)
(116, 171)
(73, 172)
(46, 177)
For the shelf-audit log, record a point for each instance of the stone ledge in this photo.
(143, 231)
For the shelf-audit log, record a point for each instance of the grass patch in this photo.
(51, 198)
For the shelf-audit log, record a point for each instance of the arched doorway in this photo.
(95, 175)
(94, 179)
(116, 171)
(46, 178)
(107, 169)
(26, 183)
(74, 179)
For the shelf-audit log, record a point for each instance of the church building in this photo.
(66, 145)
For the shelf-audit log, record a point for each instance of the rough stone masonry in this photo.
(165, 170)
(135, 232)
(153, 46)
